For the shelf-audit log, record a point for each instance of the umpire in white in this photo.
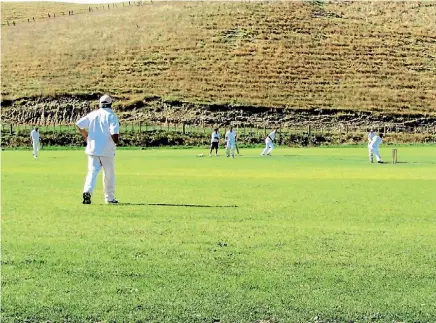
(100, 129)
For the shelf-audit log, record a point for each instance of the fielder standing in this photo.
(374, 148)
(230, 142)
(269, 146)
(371, 135)
(34, 135)
(214, 141)
(100, 129)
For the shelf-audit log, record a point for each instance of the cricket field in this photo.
(308, 235)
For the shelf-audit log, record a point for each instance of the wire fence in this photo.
(83, 9)
(184, 128)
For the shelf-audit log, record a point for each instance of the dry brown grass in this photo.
(362, 56)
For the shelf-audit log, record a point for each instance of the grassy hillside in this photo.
(360, 56)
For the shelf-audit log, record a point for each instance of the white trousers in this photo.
(269, 146)
(372, 152)
(35, 148)
(95, 163)
(230, 148)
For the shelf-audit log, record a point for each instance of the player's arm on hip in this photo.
(114, 128)
(83, 132)
(82, 125)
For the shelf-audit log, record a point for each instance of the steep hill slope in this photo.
(378, 56)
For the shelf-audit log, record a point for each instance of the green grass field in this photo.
(316, 235)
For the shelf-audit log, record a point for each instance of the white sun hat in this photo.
(106, 99)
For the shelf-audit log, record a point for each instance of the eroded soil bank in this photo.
(155, 111)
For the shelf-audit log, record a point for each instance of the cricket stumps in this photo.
(394, 156)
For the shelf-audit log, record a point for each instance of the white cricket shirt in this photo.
(371, 135)
(376, 141)
(215, 137)
(230, 136)
(101, 124)
(35, 135)
(271, 136)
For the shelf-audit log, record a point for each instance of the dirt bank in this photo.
(67, 109)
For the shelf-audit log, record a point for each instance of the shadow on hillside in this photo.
(177, 205)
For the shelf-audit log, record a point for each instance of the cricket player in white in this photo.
(34, 135)
(371, 135)
(214, 141)
(374, 148)
(230, 142)
(100, 129)
(269, 146)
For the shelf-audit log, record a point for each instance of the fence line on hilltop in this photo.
(90, 9)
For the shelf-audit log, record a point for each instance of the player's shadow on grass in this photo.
(178, 205)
